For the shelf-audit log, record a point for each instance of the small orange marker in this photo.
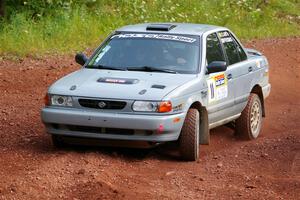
(177, 119)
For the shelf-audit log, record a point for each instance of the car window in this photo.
(179, 53)
(230, 47)
(213, 49)
(241, 52)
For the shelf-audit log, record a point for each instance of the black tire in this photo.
(57, 141)
(249, 124)
(189, 137)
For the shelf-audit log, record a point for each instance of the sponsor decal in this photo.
(155, 36)
(227, 39)
(220, 80)
(177, 107)
(101, 53)
(223, 34)
(111, 80)
(117, 80)
(217, 87)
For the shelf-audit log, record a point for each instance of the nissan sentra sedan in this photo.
(162, 82)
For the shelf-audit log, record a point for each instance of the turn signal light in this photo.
(165, 106)
(46, 100)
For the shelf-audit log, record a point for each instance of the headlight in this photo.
(59, 100)
(152, 106)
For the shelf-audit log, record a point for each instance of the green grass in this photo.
(83, 27)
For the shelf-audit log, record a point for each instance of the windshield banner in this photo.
(155, 36)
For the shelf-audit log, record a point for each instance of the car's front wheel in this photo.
(248, 125)
(189, 137)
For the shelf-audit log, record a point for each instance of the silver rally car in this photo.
(154, 83)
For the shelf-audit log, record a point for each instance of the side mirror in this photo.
(80, 58)
(216, 66)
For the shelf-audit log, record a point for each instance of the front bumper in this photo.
(52, 116)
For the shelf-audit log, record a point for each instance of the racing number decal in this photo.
(217, 87)
(212, 94)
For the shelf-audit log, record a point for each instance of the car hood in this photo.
(111, 84)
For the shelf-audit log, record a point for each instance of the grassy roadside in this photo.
(76, 29)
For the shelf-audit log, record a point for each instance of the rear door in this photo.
(220, 89)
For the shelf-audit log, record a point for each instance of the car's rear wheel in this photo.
(248, 125)
(189, 137)
(57, 141)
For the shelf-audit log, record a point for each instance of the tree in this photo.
(2, 10)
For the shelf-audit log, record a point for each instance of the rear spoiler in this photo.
(253, 52)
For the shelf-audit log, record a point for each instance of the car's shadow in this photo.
(41, 144)
(168, 151)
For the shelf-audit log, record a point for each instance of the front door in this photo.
(220, 85)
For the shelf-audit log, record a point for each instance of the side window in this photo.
(213, 49)
(230, 47)
(242, 53)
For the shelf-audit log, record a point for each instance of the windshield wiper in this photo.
(105, 67)
(151, 69)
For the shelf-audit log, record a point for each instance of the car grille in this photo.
(102, 104)
(101, 130)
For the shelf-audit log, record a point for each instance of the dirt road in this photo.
(267, 168)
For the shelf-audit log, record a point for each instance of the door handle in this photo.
(250, 69)
(229, 76)
(204, 93)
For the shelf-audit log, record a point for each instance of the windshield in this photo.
(148, 52)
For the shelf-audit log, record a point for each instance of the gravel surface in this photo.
(31, 168)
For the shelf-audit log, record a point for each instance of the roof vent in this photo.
(160, 27)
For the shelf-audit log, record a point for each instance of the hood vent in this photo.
(118, 80)
(158, 86)
(160, 27)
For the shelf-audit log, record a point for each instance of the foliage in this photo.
(64, 26)
(40, 8)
